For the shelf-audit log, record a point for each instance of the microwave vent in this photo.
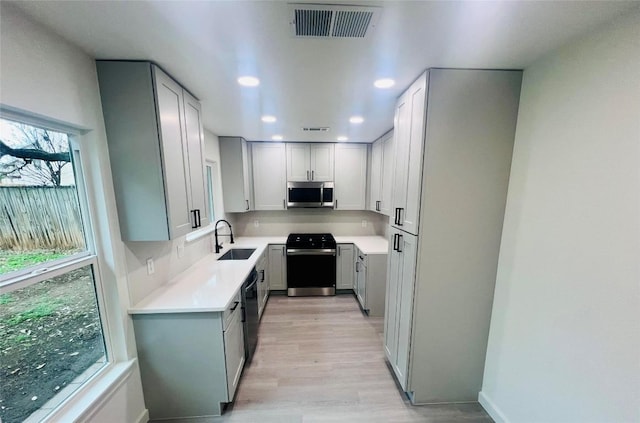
(316, 129)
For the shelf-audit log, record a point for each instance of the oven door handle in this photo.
(305, 252)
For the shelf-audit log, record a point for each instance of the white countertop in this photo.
(366, 244)
(210, 285)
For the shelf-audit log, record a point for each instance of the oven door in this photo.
(311, 272)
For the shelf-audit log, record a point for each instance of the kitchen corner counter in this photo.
(366, 244)
(208, 285)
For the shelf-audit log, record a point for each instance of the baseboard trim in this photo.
(143, 417)
(491, 408)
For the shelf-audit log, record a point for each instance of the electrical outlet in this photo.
(364, 223)
(150, 266)
(256, 223)
(181, 250)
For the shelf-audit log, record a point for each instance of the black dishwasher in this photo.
(250, 314)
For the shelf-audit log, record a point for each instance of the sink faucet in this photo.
(215, 232)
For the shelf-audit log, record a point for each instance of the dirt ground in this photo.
(50, 333)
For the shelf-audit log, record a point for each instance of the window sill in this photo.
(88, 399)
(199, 233)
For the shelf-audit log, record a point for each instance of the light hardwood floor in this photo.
(319, 359)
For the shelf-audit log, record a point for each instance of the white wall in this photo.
(564, 343)
(337, 222)
(42, 74)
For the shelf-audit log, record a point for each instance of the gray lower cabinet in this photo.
(345, 266)
(263, 282)
(190, 363)
(370, 282)
(277, 267)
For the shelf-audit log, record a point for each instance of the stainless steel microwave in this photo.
(309, 194)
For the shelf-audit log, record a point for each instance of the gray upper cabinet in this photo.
(409, 129)
(155, 137)
(194, 135)
(310, 162)
(269, 176)
(350, 176)
(236, 174)
(381, 174)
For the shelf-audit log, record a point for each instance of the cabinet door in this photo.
(298, 161)
(375, 183)
(234, 354)
(351, 177)
(234, 167)
(361, 284)
(269, 176)
(409, 139)
(345, 266)
(386, 179)
(392, 299)
(411, 214)
(246, 176)
(194, 135)
(277, 267)
(322, 162)
(401, 126)
(407, 244)
(174, 153)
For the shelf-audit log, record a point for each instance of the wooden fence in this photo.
(40, 218)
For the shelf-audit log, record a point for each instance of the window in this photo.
(212, 182)
(51, 334)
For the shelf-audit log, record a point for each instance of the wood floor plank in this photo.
(320, 359)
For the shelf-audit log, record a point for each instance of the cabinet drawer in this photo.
(232, 310)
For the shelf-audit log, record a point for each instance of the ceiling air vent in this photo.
(316, 129)
(332, 21)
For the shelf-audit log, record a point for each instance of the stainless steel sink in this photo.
(237, 254)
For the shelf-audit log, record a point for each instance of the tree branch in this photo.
(33, 154)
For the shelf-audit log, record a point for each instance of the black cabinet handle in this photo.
(194, 223)
(400, 216)
(395, 242)
(199, 222)
(235, 305)
(247, 204)
(399, 243)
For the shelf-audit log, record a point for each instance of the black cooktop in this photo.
(311, 241)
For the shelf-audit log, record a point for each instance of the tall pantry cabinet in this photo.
(454, 132)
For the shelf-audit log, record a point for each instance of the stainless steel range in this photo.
(311, 265)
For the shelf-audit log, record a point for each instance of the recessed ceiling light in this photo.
(342, 138)
(249, 81)
(384, 83)
(356, 119)
(268, 119)
(277, 137)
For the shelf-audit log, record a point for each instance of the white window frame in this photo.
(90, 257)
(215, 183)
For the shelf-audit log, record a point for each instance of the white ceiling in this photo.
(206, 45)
